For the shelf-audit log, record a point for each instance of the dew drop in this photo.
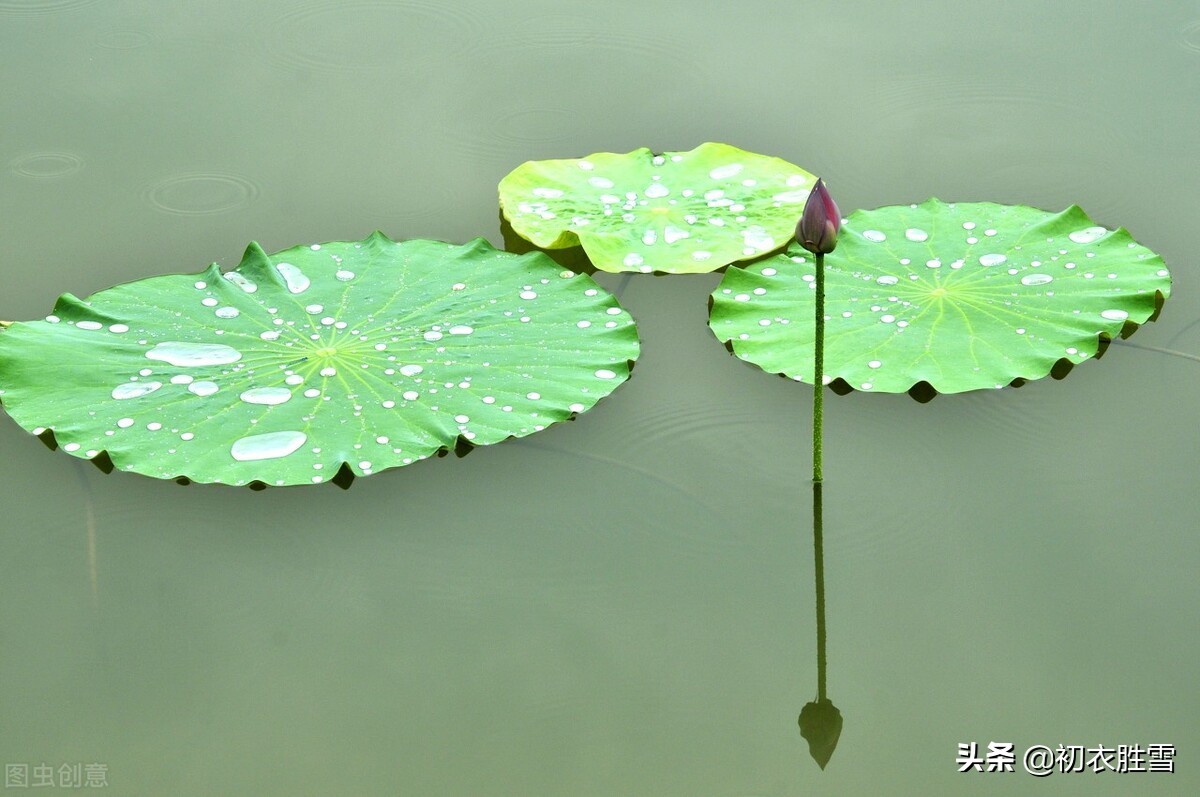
(271, 445)
(888, 279)
(227, 312)
(461, 330)
(203, 388)
(992, 259)
(411, 370)
(604, 373)
(1114, 315)
(874, 235)
(118, 328)
(915, 234)
(181, 379)
(343, 275)
(433, 335)
(89, 325)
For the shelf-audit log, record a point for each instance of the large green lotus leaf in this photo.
(338, 358)
(948, 297)
(677, 213)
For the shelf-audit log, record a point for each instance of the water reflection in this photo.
(820, 721)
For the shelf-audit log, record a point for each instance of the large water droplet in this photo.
(461, 329)
(1036, 279)
(271, 445)
(992, 259)
(240, 281)
(130, 390)
(874, 235)
(1088, 235)
(190, 354)
(1114, 315)
(266, 395)
(203, 388)
(888, 279)
(293, 277)
(915, 234)
(729, 170)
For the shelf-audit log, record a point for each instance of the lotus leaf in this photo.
(945, 297)
(318, 363)
(677, 213)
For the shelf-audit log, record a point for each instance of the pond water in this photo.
(623, 605)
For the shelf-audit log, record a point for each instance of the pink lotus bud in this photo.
(819, 224)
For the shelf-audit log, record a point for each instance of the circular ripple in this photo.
(33, 7)
(516, 132)
(123, 39)
(47, 165)
(1189, 36)
(202, 193)
(364, 36)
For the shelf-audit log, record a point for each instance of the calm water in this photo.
(621, 605)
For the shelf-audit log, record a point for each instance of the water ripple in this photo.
(1189, 36)
(38, 7)
(202, 193)
(123, 39)
(371, 35)
(47, 165)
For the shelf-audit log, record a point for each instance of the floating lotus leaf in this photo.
(678, 213)
(339, 358)
(945, 297)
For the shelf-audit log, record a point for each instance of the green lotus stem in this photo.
(818, 368)
(817, 231)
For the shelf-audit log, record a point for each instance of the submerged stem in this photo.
(819, 578)
(818, 367)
